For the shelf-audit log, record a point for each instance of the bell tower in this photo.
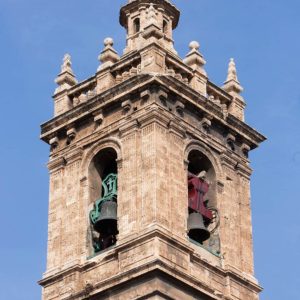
(149, 173)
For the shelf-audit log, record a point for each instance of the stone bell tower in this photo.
(149, 174)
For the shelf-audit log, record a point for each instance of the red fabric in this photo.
(198, 188)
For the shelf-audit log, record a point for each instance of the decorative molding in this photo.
(55, 164)
(127, 107)
(71, 134)
(179, 107)
(54, 142)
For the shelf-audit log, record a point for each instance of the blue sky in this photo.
(262, 36)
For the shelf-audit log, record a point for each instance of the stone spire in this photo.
(232, 82)
(66, 77)
(109, 55)
(233, 87)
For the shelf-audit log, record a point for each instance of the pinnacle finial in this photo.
(108, 42)
(66, 77)
(109, 55)
(67, 64)
(232, 73)
(232, 83)
(194, 45)
(194, 58)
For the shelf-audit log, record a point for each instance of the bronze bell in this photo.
(107, 222)
(196, 228)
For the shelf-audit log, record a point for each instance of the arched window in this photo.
(201, 199)
(103, 194)
(199, 162)
(136, 25)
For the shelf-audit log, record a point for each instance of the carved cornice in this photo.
(87, 108)
(232, 123)
(128, 127)
(74, 155)
(154, 114)
(185, 94)
(246, 131)
(177, 129)
(56, 164)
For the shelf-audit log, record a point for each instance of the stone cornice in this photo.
(56, 164)
(187, 95)
(255, 136)
(93, 104)
(75, 155)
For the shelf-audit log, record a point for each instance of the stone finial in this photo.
(194, 45)
(67, 64)
(232, 75)
(232, 83)
(233, 87)
(66, 78)
(195, 59)
(109, 55)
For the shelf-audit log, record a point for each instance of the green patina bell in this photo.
(107, 222)
(104, 214)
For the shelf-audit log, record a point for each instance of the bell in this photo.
(196, 229)
(107, 222)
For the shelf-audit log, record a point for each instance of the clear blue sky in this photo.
(263, 37)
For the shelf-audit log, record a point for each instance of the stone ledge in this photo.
(156, 261)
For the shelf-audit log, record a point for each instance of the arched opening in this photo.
(201, 199)
(136, 25)
(199, 162)
(103, 195)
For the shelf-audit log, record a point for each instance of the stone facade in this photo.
(149, 110)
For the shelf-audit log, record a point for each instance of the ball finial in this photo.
(194, 45)
(108, 42)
